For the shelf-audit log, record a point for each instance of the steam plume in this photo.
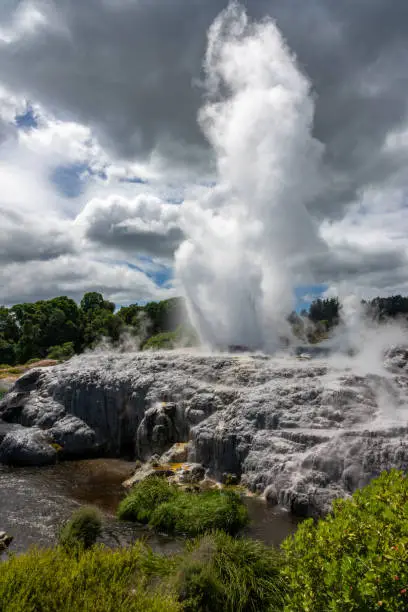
(249, 240)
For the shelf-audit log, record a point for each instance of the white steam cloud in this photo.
(251, 237)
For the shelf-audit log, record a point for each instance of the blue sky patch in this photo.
(305, 294)
(69, 180)
(161, 275)
(133, 179)
(27, 120)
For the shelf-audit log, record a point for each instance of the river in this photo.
(34, 502)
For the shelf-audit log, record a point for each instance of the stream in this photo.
(34, 502)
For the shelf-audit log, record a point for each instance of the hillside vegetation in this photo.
(356, 559)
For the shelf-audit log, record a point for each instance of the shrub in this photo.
(356, 558)
(62, 351)
(164, 340)
(182, 336)
(145, 496)
(7, 352)
(82, 530)
(194, 513)
(173, 511)
(223, 573)
(98, 580)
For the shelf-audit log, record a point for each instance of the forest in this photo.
(59, 328)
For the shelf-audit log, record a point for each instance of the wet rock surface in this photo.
(5, 541)
(302, 431)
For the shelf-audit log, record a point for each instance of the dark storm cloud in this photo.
(127, 68)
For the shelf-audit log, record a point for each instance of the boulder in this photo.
(178, 453)
(27, 447)
(74, 437)
(192, 473)
(158, 430)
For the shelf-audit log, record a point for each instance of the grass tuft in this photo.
(144, 498)
(81, 531)
(98, 580)
(173, 511)
(235, 575)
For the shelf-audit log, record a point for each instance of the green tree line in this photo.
(328, 311)
(58, 328)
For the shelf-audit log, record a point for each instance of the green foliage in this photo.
(44, 324)
(182, 336)
(82, 530)
(92, 301)
(356, 558)
(58, 328)
(173, 511)
(325, 310)
(165, 340)
(62, 352)
(7, 352)
(98, 580)
(145, 496)
(195, 513)
(234, 575)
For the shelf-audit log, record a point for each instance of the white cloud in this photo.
(144, 224)
(107, 99)
(73, 276)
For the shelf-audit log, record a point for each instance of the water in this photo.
(34, 502)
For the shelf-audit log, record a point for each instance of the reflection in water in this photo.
(34, 502)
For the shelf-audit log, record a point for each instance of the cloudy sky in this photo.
(100, 143)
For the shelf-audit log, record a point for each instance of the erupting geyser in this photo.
(249, 239)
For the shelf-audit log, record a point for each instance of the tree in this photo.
(92, 301)
(7, 352)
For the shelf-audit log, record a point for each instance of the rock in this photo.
(5, 541)
(192, 473)
(27, 447)
(178, 453)
(75, 437)
(208, 485)
(302, 432)
(230, 479)
(158, 430)
(147, 471)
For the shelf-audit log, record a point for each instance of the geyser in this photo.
(248, 240)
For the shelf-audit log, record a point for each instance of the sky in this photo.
(102, 149)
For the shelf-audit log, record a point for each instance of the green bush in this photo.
(234, 575)
(194, 513)
(7, 352)
(357, 557)
(145, 496)
(82, 530)
(171, 510)
(164, 340)
(98, 580)
(183, 336)
(62, 352)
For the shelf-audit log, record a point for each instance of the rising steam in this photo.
(249, 240)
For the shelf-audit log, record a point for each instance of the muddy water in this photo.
(34, 502)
